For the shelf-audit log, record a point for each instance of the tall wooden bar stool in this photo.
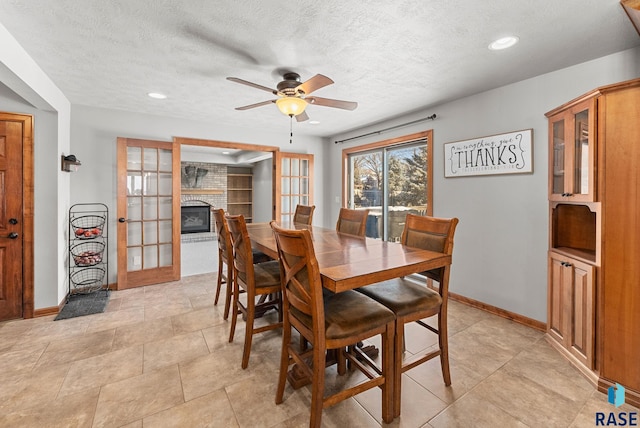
(353, 222)
(334, 321)
(225, 259)
(411, 301)
(303, 214)
(257, 280)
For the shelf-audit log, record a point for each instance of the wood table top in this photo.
(347, 262)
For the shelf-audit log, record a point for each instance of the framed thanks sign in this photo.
(510, 153)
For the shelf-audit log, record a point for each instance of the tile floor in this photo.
(159, 357)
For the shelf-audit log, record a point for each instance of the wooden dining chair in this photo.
(411, 301)
(353, 222)
(260, 280)
(225, 259)
(333, 322)
(303, 214)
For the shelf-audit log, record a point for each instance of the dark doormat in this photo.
(84, 304)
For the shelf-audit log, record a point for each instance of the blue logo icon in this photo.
(616, 395)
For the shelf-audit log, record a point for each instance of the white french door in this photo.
(148, 212)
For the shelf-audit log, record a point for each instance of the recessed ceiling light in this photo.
(225, 153)
(157, 95)
(314, 122)
(503, 43)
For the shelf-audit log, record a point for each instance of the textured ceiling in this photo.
(390, 57)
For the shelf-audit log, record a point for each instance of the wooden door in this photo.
(11, 218)
(148, 212)
(293, 183)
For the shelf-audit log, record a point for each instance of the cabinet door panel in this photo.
(557, 290)
(582, 321)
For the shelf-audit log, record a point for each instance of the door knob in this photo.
(12, 235)
(13, 221)
(122, 219)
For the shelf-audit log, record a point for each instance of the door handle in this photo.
(12, 235)
(122, 219)
(13, 221)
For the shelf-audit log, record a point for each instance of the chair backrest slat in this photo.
(303, 214)
(430, 233)
(301, 282)
(224, 238)
(353, 222)
(242, 254)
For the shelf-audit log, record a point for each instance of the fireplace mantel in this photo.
(201, 191)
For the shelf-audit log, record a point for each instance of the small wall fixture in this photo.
(70, 163)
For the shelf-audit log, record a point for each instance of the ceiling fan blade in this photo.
(327, 102)
(253, 85)
(302, 117)
(316, 82)
(263, 103)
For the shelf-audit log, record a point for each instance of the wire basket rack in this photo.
(88, 226)
(87, 253)
(88, 280)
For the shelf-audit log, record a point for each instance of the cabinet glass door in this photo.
(558, 141)
(581, 153)
(572, 140)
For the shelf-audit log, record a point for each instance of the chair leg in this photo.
(234, 310)
(219, 285)
(317, 387)
(444, 347)
(388, 369)
(248, 334)
(227, 303)
(398, 350)
(284, 361)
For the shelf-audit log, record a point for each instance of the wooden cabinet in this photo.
(572, 153)
(572, 306)
(594, 244)
(240, 192)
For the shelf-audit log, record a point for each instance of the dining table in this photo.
(348, 261)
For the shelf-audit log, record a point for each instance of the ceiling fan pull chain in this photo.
(290, 129)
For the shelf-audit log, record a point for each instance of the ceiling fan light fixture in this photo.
(291, 106)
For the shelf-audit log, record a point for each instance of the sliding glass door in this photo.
(391, 180)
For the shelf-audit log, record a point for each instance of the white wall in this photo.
(93, 141)
(501, 243)
(262, 190)
(47, 103)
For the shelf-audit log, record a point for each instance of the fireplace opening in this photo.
(195, 219)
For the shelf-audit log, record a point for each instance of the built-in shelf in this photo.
(201, 191)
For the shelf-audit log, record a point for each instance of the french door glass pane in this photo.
(150, 235)
(134, 209)
(134, 233)
(150, 256)
(150, 159)
(134, 183)
(164, 230)
(134, 158)
(134, 258)
(165, 255)
(165, 158)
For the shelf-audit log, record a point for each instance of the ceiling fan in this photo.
(293, 95)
